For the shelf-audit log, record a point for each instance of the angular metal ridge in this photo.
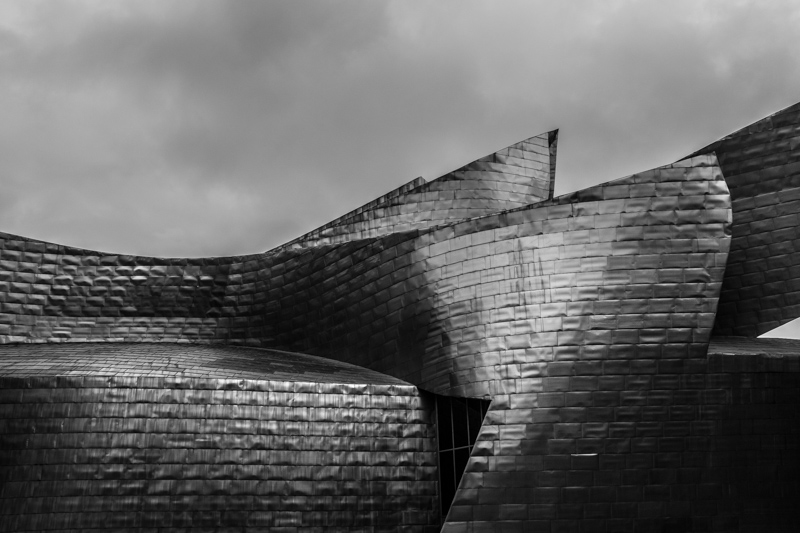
(761, 163)
(584, 319)
(517, 175)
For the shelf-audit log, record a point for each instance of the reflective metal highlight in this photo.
(139, 437)
(585, 320)
(516, 176)
(762, 167)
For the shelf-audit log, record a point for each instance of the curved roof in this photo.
(180, 360)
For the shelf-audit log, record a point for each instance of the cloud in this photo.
(212, 128)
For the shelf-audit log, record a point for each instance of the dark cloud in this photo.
(213, 128)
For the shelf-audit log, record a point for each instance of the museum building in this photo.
(467, 354)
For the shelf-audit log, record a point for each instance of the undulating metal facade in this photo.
(132, 437)
(761, 164)
(466, 354)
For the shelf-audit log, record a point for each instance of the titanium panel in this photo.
(584, 319)
(518, 175)
(515, 307)
(603, 290)
(137, 437)
(53, 293)
(761, 163)
(457, 309)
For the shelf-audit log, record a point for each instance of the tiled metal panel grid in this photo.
(380, 201)
(621, 278)
(51, 293)
(761, 164)
(179, 360)
(630, 265)
(519, 175)
(630, 268)
(584, 318)
(642, 444)
(141, 451)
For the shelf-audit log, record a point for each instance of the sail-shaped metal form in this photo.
(467, 354)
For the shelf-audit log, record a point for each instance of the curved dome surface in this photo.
(585, 320)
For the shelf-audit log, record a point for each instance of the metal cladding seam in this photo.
(518, 175)
(761, 163)
(622, 279)
(58, 293)
(137, 437)
(434, 307)
(584, 318)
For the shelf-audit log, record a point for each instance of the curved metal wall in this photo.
(518, 175)
(761, 164)
(511, 307)
(585, 319)
(436, 308)
(53, 293)
(137, 437)
(57, 293)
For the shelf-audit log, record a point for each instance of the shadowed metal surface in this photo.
(129, 436)
(585, 320)
(624, 279)
(180, 361)
(761, 163)
(438, 308)
(57, 293)
(518, 175)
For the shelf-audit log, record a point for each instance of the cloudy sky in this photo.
(196, 128)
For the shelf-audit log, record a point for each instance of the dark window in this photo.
(447, 474)
(458, 422)
(444, 423)
(458, 407)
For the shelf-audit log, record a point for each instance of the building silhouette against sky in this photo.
(467, 354)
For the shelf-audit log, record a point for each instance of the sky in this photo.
(208, 128)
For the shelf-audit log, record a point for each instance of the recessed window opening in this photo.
(458, 422)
